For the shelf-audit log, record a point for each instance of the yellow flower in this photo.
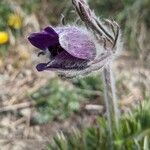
(3, 37)
(14, 21)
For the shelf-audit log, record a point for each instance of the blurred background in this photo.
(35, 106)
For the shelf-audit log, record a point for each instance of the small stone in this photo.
(94, 109)
(25, 112)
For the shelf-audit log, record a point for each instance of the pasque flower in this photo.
(68, 48)
(75, 50)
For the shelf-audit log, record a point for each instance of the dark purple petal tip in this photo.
(41, 67)
(44, 39)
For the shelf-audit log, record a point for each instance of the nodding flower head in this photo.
(68, 48)
(73, 50)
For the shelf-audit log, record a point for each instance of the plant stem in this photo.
(107, 105)
(110, 100)
(114, 97)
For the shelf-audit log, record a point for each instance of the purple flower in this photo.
(68, 48)
(73, 50)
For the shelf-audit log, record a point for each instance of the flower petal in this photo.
(44, 39)
(77, 43)
(64, 61)
(41, 66)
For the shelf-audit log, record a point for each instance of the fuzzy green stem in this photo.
(114, 97)
(110, 99)
(108, 108)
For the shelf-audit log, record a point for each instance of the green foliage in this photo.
(136, 16)
(3, 50)
(106, 8)
(4, 11)
(58, 101)
(133, 134)
(55, 101)
(90, 83)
